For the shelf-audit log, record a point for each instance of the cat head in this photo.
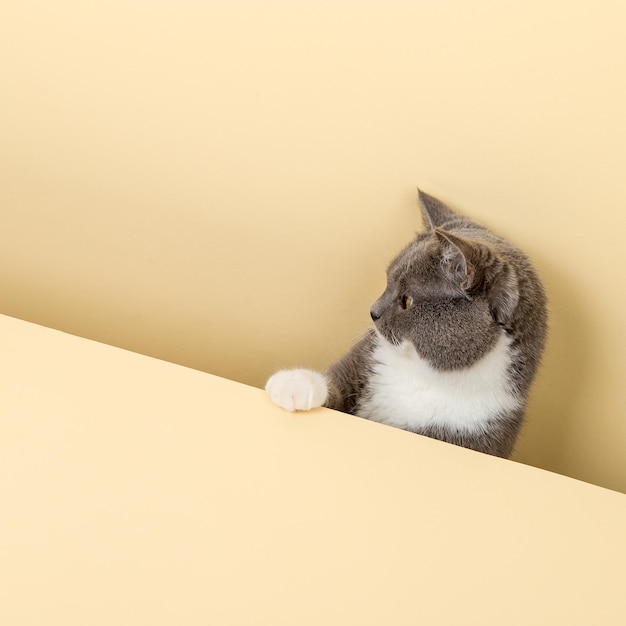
(451, 292)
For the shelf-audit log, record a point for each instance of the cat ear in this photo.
(434, 212)
(457, 255)
(460, 258)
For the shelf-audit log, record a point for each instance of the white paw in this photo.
(297, 390)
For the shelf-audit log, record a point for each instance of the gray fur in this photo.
(468, 286)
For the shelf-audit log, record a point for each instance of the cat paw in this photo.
(297, 390)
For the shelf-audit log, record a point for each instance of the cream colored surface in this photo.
(221, 184)
(135, 491)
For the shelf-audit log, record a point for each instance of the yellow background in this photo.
(135, 491)
(221, 184)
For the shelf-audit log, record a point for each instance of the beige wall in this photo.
(221, 184)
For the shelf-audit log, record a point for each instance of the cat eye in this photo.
(406, 302)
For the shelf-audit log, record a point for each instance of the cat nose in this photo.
(375, 315)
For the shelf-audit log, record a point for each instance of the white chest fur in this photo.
(405, 391)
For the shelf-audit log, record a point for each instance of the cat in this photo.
(456, 340)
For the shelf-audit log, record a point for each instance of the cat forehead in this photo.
(420, 257)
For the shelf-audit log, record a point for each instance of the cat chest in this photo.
(405, 391)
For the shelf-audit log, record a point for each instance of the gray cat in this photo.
(458, 335)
